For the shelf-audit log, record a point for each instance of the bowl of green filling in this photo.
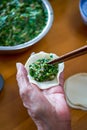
(23, 23)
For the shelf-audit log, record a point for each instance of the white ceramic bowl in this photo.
(83, 10)
(19, 48)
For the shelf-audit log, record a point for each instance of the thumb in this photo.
(27, 90)
(22, 79)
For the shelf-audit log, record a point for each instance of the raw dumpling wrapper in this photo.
(76, 91)
(46, 84)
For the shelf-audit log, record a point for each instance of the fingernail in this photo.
(18, 65)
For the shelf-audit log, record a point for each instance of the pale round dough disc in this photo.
(75, 106)
(75, 88)
(47, 84)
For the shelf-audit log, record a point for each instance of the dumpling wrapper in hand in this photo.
(75, 88)
(46, 84)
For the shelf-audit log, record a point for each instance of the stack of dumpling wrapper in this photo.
(75, 88)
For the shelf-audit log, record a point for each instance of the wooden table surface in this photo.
(67, 33)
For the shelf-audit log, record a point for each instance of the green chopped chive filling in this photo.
(41, 71)
(21, 21)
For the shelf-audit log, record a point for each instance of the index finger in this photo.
(61, 79)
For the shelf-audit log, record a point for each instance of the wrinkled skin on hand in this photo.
(47, 108)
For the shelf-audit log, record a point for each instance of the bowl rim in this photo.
(25, 45)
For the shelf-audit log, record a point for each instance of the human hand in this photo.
(47, 108)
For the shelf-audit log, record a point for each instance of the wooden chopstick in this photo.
(70, 55)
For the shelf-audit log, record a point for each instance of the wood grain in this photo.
(67, 33)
